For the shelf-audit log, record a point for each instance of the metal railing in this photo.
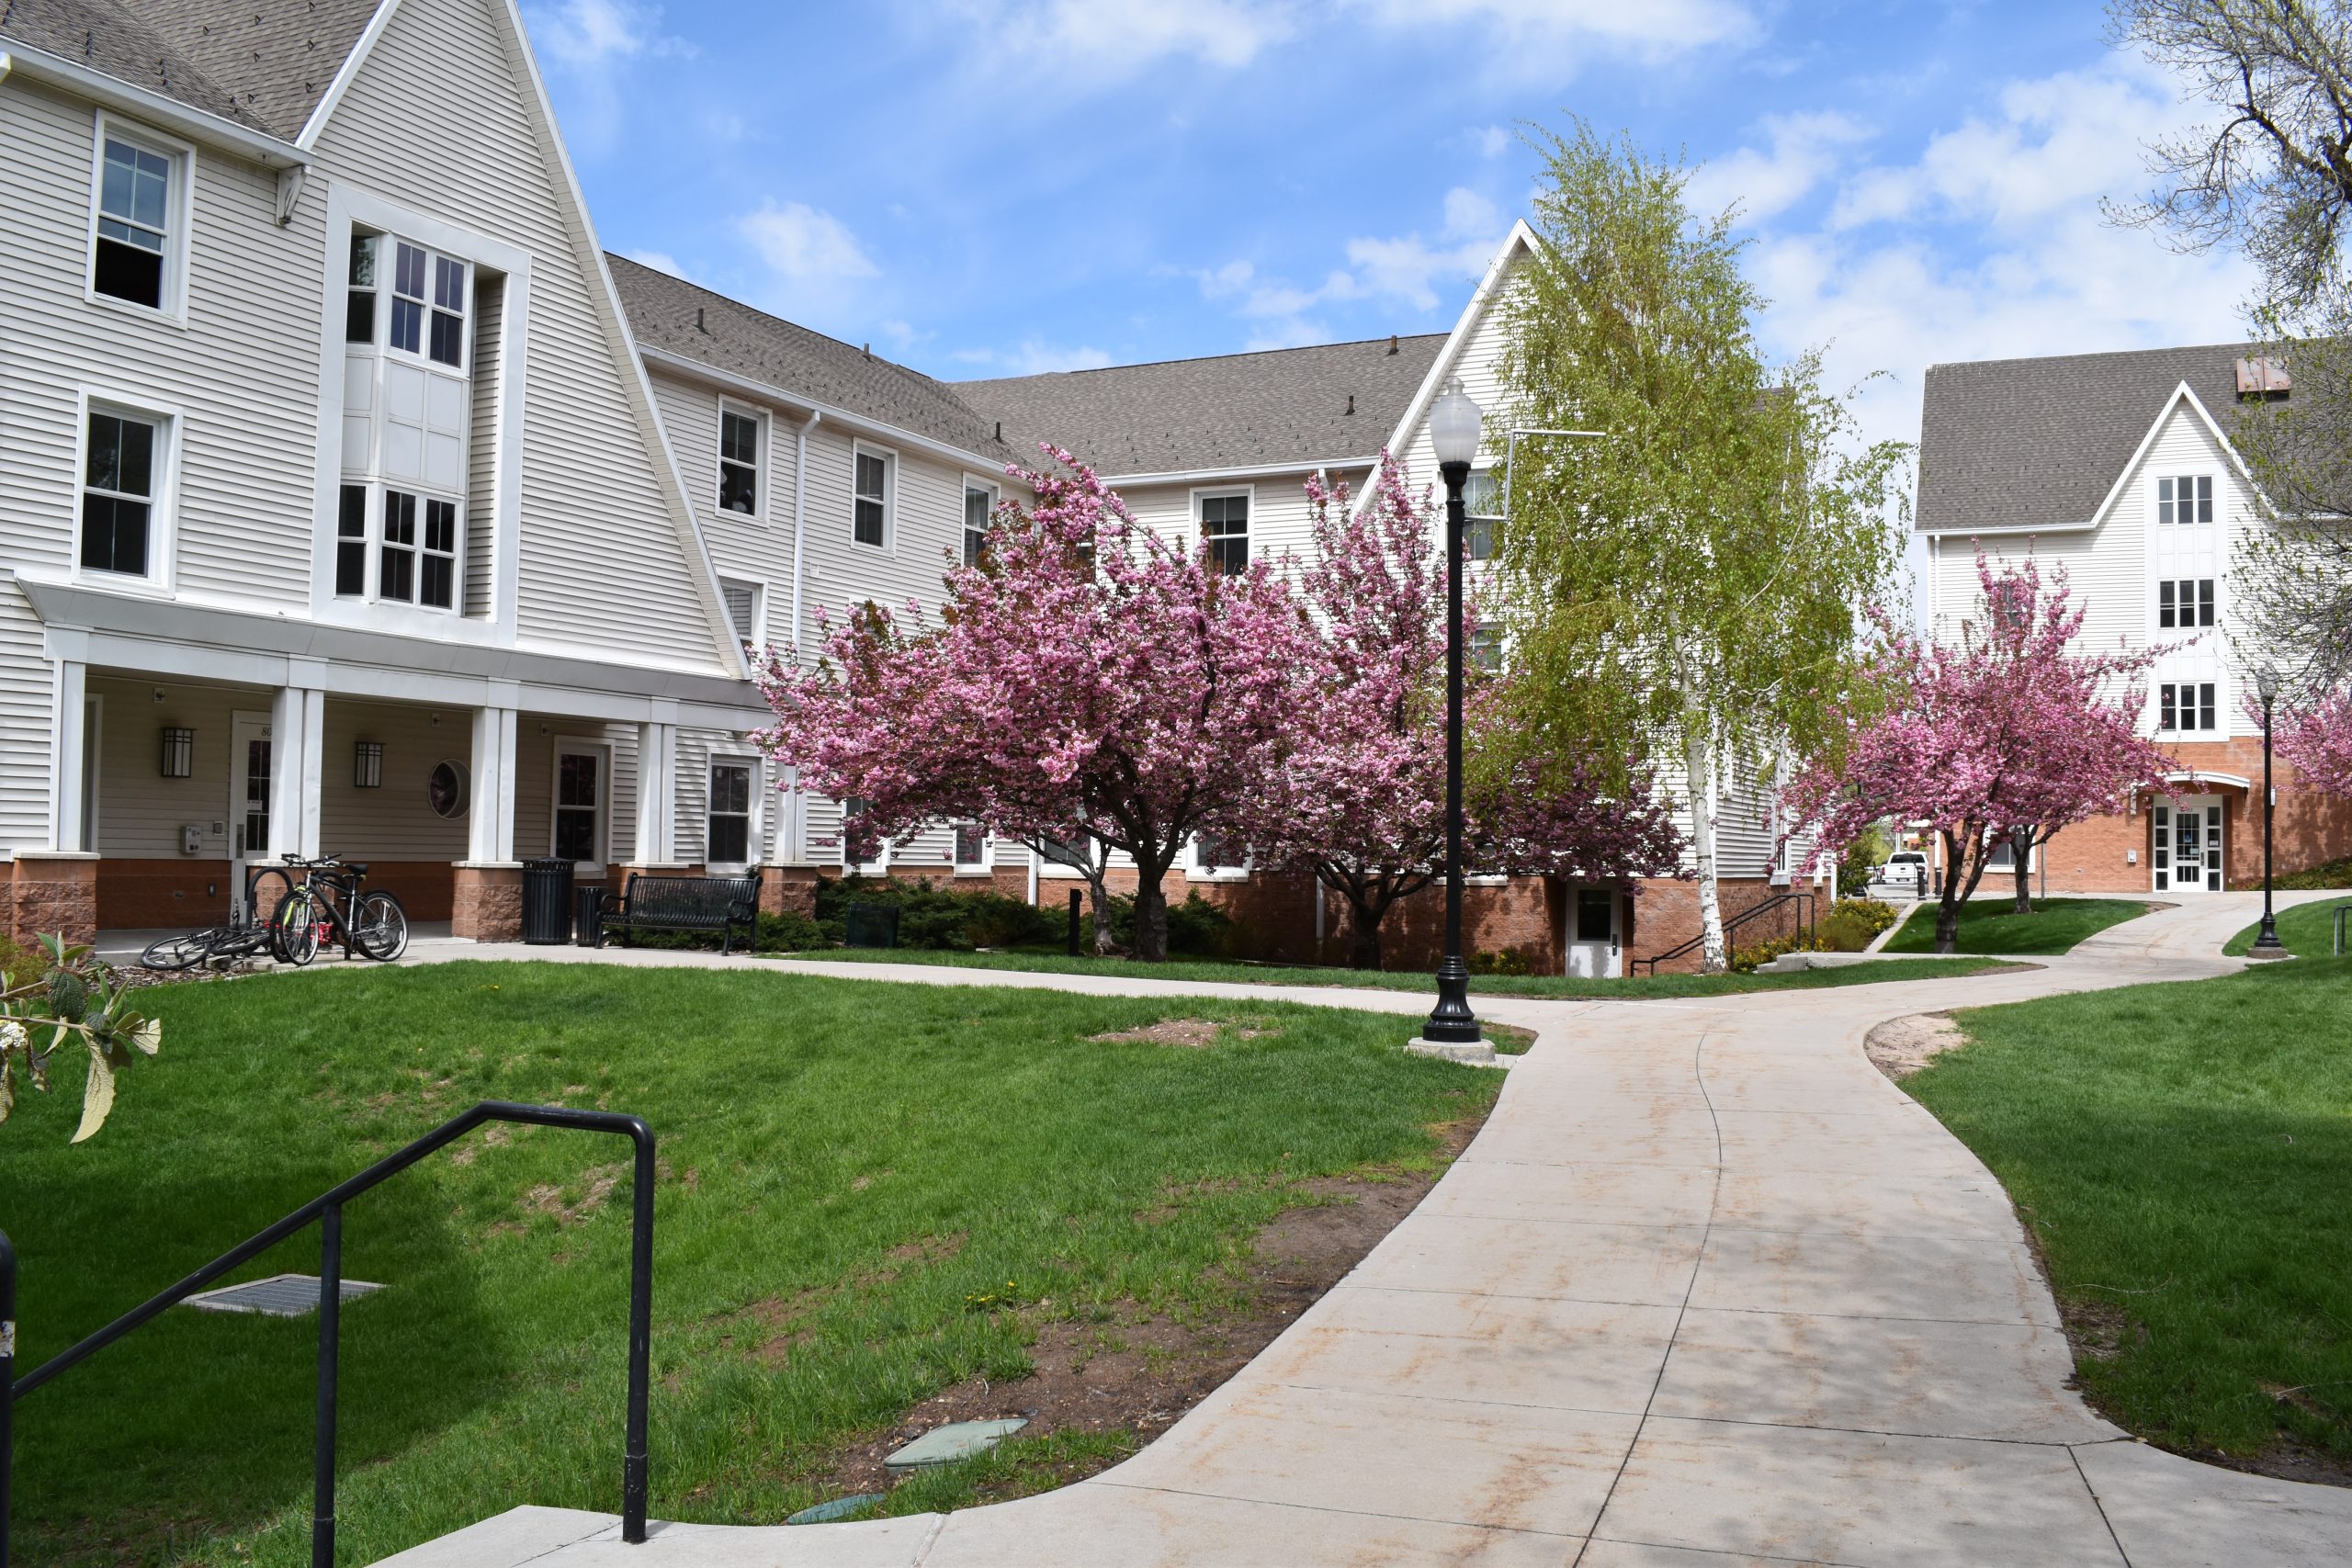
(1753, 911)
(327, 1210)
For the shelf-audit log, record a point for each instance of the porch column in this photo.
(657, 792)
(69, 758)
(297, 767)
(490, 817)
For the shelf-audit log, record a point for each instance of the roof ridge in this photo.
(2102, 354)
(1203, 358)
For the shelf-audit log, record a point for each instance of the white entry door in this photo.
(1593, 947)
(248, 799)
(2188, 845)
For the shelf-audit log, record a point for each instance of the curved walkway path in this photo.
(1707, 1290)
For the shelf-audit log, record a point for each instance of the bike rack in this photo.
(327, 1209)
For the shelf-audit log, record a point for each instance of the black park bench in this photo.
(654, 903)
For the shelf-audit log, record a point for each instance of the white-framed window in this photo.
(971, 846)
(979, 508)
(1059, 857)
(1225, 528)
(399, 517)
(2184, 499)
(127, 469)
(2185, 705)
(1213, 857)
(746, 600)
(139, 218)
(583, 792)
(873, 478)
(852, 809)
(1485, 653)
(730, 829)
(2185, 602)
(740, 439)
(1482, 505)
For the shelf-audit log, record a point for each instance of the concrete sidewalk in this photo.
(1706, 1289)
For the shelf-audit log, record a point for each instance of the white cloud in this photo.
(1119, 37)
(805, 245)
(1532, 36)
(1492, 140)
(591, 42)
(1805, 148)
(1416, 270)
(659, 261)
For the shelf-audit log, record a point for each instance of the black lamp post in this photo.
(2266, 681)
(1453, 432)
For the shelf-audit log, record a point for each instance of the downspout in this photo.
(797, 828)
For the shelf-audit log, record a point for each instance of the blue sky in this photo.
(985, 187)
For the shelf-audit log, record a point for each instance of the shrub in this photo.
(1748, 959)
(1196, 927)
(1510, 961)
(936, 918)
(1852, 922)
(790, 932)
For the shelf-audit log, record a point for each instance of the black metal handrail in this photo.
(1752, 913)
(327, 1209)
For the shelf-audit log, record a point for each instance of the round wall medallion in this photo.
(446, 789)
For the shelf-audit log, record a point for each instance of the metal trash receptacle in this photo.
(547, 902)
(588, 914)
(871, 925)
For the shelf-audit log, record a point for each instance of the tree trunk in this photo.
(1098, 892)
(1948, 909)
(1364, 931)
(1699, 767)
(2020, 856)
(1151, 916)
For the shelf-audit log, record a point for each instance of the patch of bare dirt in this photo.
(1137, 1373)
(1193, 1033)
(1900, 1046)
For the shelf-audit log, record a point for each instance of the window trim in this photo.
(584, 745)
(995, 489)
(1471, 518)
(759, 587)
(1194, 871)
(861, 447)
(759, 465)
(1200, 493)
(987, 861)
(878, 866)
(178, 239)
(2157, 476)
(163, 507)
(752, 817)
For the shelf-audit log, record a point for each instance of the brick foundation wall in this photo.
(53, 893)
(1666, 915)
(486, 902)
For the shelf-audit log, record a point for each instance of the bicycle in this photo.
(327, 900)
(242, 937)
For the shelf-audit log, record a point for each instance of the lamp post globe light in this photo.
(1452, 1029)
(2266, 683)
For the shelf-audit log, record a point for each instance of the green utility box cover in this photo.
(957, 1439)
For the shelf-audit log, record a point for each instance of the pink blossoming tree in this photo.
(1361, 801)
(2315, 740)
(2003, 738)
(1089, 686)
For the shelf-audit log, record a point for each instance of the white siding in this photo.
(437, 120)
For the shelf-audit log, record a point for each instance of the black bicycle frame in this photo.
(327, 1209)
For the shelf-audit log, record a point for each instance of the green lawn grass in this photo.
(1993, 925)
(2308, 930)
(1536, 985)
(2182, 1152)
(844, 1166)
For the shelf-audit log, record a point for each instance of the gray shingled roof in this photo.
(1235, 410)
(264, 63)
(2025, 443)
(735, 338)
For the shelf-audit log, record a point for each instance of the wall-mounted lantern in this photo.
(367, 764)
(179, 752)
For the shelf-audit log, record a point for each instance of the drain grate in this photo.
(280, 1295)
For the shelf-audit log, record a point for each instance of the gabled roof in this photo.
(1275, 408)
(734, 338)
(2007, 444)
(264, 63)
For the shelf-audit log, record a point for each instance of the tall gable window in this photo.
(739, 462)
(122, 468)
(1482, 500)
(2186, 499)
(2185, 602)
(2185, 705)
(979, 502)
(1225, 531)
(870, 506)
(139, 218)
(407, 426)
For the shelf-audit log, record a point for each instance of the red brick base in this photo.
(486, 902)
(57, 894)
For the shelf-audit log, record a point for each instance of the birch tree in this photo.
(1686, 587)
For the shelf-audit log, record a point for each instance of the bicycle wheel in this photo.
(174, 953)
(294, 930)
(380, 926)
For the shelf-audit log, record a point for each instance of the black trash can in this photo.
(547, 902)
(588, 915)
(871, 925)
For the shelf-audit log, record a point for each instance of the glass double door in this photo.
(2188, 845)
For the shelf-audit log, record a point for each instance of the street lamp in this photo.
(2266, 681)
(1453, 1028)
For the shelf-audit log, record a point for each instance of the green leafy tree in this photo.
(1688, 587)
(66, 998)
